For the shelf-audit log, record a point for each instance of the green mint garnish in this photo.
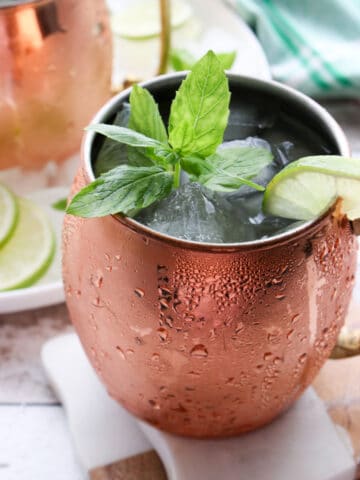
(229, 168)
(125, 188)
(154, 158)
(182, 59)
(60, 205)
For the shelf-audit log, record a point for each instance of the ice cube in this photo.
(197, 214)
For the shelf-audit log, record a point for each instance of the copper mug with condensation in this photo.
(55, 73)
(208, 340)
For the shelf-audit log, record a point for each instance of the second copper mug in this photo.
(55, 72)
(209, 340)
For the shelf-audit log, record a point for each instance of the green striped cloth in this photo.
(312, 45)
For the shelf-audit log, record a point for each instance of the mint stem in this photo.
(177, 173)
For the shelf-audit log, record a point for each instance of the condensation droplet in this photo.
(199, 351)
(280, 296)
(267, 355)
(155, 357)
(120, 352)
(302, 358)
(239, 327)
(154, 404)
(277, 361)
(97, 280)
(290, 334)
(139, 292)
(163, 334)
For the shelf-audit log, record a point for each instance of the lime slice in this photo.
(29, 252)
(143, 19)
(8, 214)
(307, 187)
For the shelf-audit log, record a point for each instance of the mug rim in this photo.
(267, 86)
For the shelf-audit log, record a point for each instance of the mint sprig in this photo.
(182, 59)
(197, 122)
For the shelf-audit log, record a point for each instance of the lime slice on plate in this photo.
(8, 214)
(142, 20)
(307, 187)
(29, 252)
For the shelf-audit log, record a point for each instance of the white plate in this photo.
(215, 26)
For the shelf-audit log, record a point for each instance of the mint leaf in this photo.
(227, 59)
(124, 135)
(200, 111)
(229, 168)
(125, 189)
(112, 153)
(60, 205)
(182, 59)
(145, 118)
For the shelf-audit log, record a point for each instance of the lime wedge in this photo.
(29, 252)
(142, 20)
(8, 214)
(307, 187)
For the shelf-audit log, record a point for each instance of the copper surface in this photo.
(55, 64)
(204, 343)
(207, 340)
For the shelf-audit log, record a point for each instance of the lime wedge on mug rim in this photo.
(29, 252)
(307, 187)
(8, 214)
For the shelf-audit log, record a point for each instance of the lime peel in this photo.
(8, 214)
(30, 250)
(308, 187)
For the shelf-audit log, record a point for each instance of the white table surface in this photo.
(34, 439)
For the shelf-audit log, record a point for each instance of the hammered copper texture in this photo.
(55, 63)
(206, 342)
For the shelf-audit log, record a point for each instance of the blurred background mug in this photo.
(55, 72)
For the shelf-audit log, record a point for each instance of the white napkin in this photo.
(302, 444)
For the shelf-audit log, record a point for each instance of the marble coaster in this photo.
(302, 444)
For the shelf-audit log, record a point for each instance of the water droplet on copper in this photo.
(302, 358)
(97, 279)
(163, 304)
(120, 352)
(267, 355)
(117, 258)
(295, 318)
(96, 301)
(154, 404)
(139, 292)
(163, 334)
(239, 327)
(199, 351)
(155, 357)
(129, 351)
(280, 296)
(146, 240)
(169, 321)
(290, 334)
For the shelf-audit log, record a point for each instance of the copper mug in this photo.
(55, 72)
(208, 340)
